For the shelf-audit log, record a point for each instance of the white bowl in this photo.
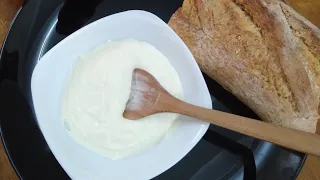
(51, 72)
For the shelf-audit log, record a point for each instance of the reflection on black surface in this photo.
(238, 149)
(75, 14)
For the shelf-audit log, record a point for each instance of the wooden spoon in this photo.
(149, 97)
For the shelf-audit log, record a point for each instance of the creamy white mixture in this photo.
(96, 93)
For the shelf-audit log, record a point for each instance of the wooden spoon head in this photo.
(144, 97)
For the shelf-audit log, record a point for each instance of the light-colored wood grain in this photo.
(8, 9)
(6, 170)
(311, 169)
(308, 8)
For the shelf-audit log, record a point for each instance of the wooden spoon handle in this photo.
(293, 139)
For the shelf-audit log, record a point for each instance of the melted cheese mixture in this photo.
(96, 93)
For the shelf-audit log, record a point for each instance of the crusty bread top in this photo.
(260, 50)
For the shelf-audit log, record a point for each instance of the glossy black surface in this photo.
(221, 154)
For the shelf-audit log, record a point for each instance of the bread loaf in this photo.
(262, 51)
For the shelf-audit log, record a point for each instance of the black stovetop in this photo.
(40, 24)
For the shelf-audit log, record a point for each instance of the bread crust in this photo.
(262, 51)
